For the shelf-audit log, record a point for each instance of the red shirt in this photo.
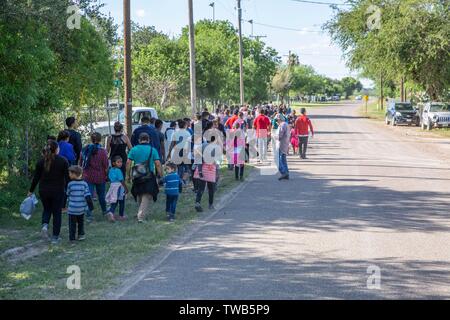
(261, 125)
(96, 173)
(302, 125)
(231, 121)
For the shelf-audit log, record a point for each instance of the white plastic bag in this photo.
(27, 207)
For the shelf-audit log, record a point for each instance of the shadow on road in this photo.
(251, 249)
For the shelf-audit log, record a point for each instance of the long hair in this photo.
(49, 154)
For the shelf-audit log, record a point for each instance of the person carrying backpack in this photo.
(118, 144)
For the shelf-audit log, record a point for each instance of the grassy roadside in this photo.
(110, 250)
(374, 113)
(298, 105)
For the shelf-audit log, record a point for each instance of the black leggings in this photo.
(52, 203)
(201, 188)
(238, 171)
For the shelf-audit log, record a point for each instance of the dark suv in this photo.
(402, 113)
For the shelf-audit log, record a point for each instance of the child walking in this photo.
(79, 201)
(173, 186)
(294, 140)
(117, 190)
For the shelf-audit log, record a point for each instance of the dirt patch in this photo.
(19, 254)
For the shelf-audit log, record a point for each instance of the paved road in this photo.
(367, 196)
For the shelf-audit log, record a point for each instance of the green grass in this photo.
(297, 105)
(110, 250)
(373, 111)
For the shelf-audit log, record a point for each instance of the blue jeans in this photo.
(121, 204)
(282, 164)
(171, 205)
(101, 191)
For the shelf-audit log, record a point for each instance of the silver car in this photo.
(435, 115)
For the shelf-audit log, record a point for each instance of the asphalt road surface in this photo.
(369, 198)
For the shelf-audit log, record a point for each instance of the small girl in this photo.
(117, 190)
(294, 140)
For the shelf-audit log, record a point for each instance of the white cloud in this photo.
(141, 13)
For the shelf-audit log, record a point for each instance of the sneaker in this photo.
(198, 207)
(44, 231)
(72, 243)
(171, 219)
(211, 207)
(141, 221)
(81, 238)
(110, 217)
(89, 219)
(55, 240)
(241, 178)
(122, 218)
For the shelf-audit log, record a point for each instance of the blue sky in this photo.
(314, 48)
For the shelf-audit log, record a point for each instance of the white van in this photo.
(138, 113)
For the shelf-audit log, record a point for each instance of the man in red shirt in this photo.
(230, 122)
(262, 126)
(302, 125)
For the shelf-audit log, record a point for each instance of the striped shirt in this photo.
(172, 184)
(77, 191)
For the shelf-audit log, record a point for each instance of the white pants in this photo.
(262, 148)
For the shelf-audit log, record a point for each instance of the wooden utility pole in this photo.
(192, 58)
(127, 67)
(402, 89)
(241, 58)
(381, 91)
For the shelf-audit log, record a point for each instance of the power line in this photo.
(284, 28)
(321, 3)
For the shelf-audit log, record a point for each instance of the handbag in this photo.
(142, 171)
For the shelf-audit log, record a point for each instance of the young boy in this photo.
(117, 190)
(173, 186)
(79, 201)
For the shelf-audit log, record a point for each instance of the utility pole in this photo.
(241, 59)
(402, 89)
(127, 67)
(213, 5)
(252, 36)
(192, 58)
(381, 91)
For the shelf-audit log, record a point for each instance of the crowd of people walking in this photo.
(187, 155)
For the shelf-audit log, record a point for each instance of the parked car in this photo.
(435, 115)
(138, 112)
(336, 98)
(358, 98)
(402, 113)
